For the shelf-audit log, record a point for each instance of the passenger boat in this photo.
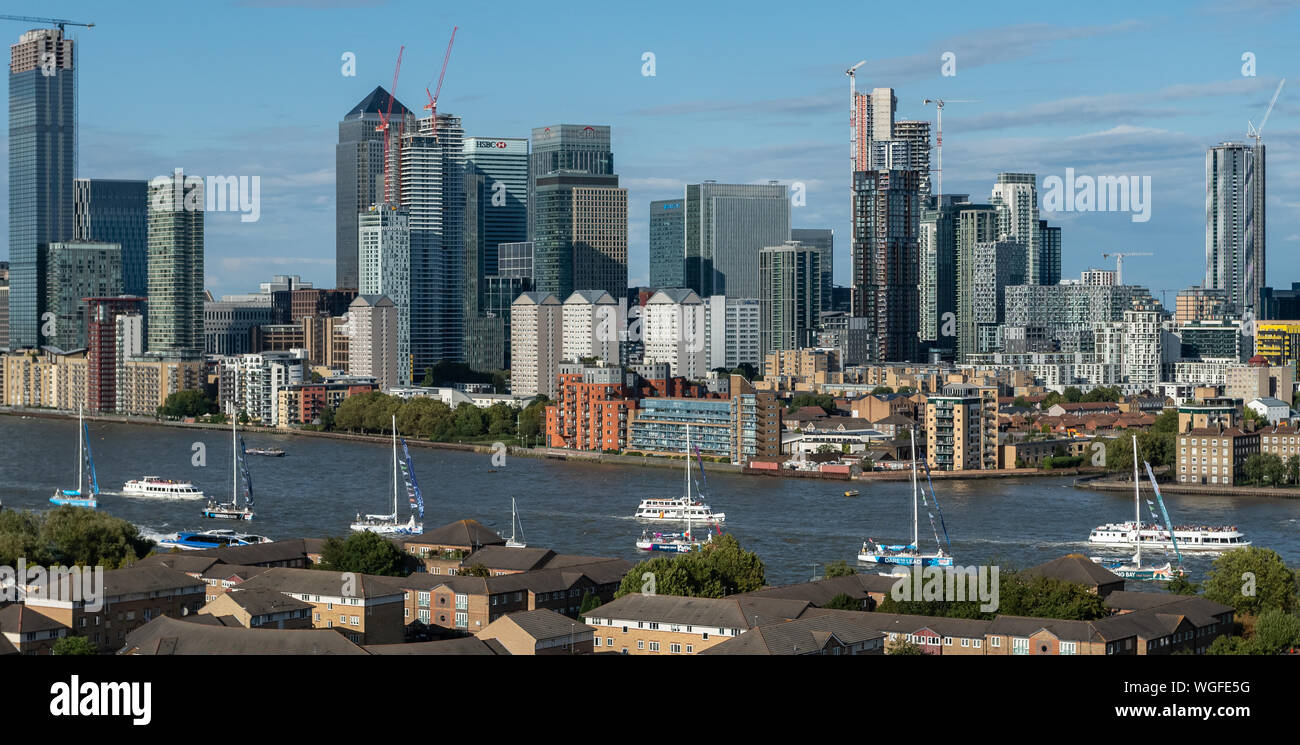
(1135, 570)
(191, 540)
(1199, 538)
(160, 488)
(272, 452)
(388, 524)
(232, 510)
(79, 497)
(909, 555)
(676, 509)
(678, 543)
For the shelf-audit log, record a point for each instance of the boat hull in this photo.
(906, 560)
(224, 514)
(677, 517)
(402, 529)
(671, 548)
(74, 501)
(1184, 545)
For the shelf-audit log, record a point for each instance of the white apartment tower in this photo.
(732, 337)
(1015, 195)
(536, 343)
(673, 331)
(372, 342)
(591, 326)
(384, 268)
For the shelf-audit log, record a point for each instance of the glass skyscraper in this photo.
(42, 164)
(175, 316)
(116, 211)
(359, 175)
(667, 244)
(726, 226)
(569, 148)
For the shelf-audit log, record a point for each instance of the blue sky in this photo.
(743, 92)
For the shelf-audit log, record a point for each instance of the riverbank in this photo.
(1209, 490)
(580, 456)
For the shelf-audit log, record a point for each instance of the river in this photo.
(586, 508)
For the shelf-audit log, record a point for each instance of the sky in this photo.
(741, 93)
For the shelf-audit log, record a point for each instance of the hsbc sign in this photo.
(481, 145)
(501, 144)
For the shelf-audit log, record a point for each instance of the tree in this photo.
(1252, 580)
(881, 389)
(842, 601)
(363, 553)
(188, 403)
(590, 602)
(533, 418)
(1250, 415)
(826, 448)
(327, 419)
(469, 420)
(839, 568)
(1276, 631)
(74, 645)
(905, 647)
(1048, 597)
(746, 371)
(1021, 402)
(1073, 395)
(1180, 585)
(70, 536)
(476, 570)
(824, 400)
(720, 568)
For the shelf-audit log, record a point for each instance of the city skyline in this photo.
(1054, 92)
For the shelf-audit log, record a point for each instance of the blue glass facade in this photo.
(660, 426)
(667, 244)
(113, 211)
(42, 163)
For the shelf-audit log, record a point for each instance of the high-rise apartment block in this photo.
(674, 332)
(1235, 258)
(792, 278)
(591, 327)
(117, 211)
(536, 343)
(385, 269)
(75, 271)
(1015, 195)
(886, 208)
(176, 297)
(373, 340)
(42, 163)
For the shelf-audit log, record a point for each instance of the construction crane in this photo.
(386, 116)
(853, 117)
(432, 106)
(1119, 263)
(1258, 134)
(939, 104)
(60, 22)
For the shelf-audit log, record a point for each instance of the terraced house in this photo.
(364, 608)
(667, 624)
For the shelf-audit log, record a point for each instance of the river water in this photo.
(586, 508)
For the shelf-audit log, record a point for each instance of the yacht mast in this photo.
(915, 538)
(1137, 504)
(687, 508)
(81, 455)
(394, 468)
(234, 467)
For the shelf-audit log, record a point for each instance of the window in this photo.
(462, 620)
(609, 641)
(654, 646)
(675, 648)
(995, 641)
(690, 649)
(596, 641)
(640, 644)
(965, 642)
(979, 642)
(1067, 647)
(1019, 646)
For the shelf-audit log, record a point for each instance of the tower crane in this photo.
(384, 120)
(432, 106)
(939, 104)
(853, 117)
(60, 22)
(1258, 134)
(1119, 263)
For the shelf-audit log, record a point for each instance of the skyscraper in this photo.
(432, 190)
(359, 174)
(175, 317)
(667, 243)
(76, 270)
(1049, 252)
(580, 234)
(496, 197)
(116, 211)
(823, 238)
(1015, 195)
(886, 211)
(42, 164)
(384, 234)
(1234, 222)
(976, 224)
(792, 279)
(569, 148)
(917, 136)
(726, 226)
(937, 275)
(372, 349)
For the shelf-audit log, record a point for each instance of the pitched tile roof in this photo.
(468, 645)
(800, 636)
(318, 582)
(165, 635)
(1075, 568)
(737, 611)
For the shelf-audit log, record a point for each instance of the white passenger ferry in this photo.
(160, 488)
(1151, 535)
(676, 509)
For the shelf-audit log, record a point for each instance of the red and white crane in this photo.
(385, 118)
(432, 106)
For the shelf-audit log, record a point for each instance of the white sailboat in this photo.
(907, 555)
(388, 524)
(679, 543)
(232, 510)
(85, 461)
(516, 540)
(1135, 570)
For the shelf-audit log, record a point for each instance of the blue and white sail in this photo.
(412, 486)
(90, 460)
(243, 473)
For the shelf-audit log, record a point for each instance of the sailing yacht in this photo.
(515, 541)
(85, 461)
(680, 543)
(1135, 570)
(231, 510)
(908, 555)
(388, 524)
